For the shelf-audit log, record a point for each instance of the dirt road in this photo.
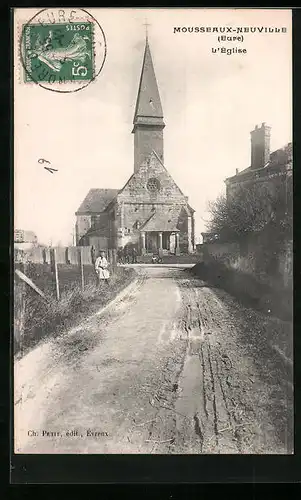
(171, 366)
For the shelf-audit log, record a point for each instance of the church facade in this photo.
(150, 211)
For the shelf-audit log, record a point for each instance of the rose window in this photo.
(153, 185)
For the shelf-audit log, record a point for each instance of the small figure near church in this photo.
(101, 267)
(120, 255)
(156, 259)
(134, 255)
(126, 255)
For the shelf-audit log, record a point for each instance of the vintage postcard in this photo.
(153, 231)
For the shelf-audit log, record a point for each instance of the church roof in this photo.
(148, 105)
(97, 200)
(160, 221)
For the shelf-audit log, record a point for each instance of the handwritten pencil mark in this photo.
(51, 170)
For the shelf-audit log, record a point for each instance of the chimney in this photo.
(260, 146)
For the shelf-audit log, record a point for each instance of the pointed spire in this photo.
(148, 106)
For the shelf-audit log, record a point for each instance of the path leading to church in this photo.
(172, 366)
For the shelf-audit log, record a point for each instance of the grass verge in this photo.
(36, 319)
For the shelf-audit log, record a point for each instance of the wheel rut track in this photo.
(165, 395)
(214, 395)
(215, 417)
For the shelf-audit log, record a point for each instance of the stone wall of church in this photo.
(99, 243)
(124, 232)
(135, 214)
(137, 189)
(133, 238)
(183, 226)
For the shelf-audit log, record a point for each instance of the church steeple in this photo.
(148, 105)
(148, 117)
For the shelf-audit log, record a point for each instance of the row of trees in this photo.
(253, 208)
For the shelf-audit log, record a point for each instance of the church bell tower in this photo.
(148, 118)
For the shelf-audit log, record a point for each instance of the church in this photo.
(150, 211)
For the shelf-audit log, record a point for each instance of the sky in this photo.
(211, 102)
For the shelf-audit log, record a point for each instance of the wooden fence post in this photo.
(81, 265)
(67, 260)
(93, 255)
(111, 259)
(55, 269)
(114, 258)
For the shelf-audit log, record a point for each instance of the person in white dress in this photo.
(101, 267)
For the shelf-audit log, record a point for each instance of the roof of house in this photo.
(160, 221)
(279, 158)
(97, 200)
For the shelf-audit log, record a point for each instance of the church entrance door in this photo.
(166, 241)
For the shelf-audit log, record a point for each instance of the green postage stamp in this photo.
(62, 50)
(58, 52)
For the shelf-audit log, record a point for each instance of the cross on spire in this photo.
(146, 24)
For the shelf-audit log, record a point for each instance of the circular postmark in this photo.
(62, 50)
